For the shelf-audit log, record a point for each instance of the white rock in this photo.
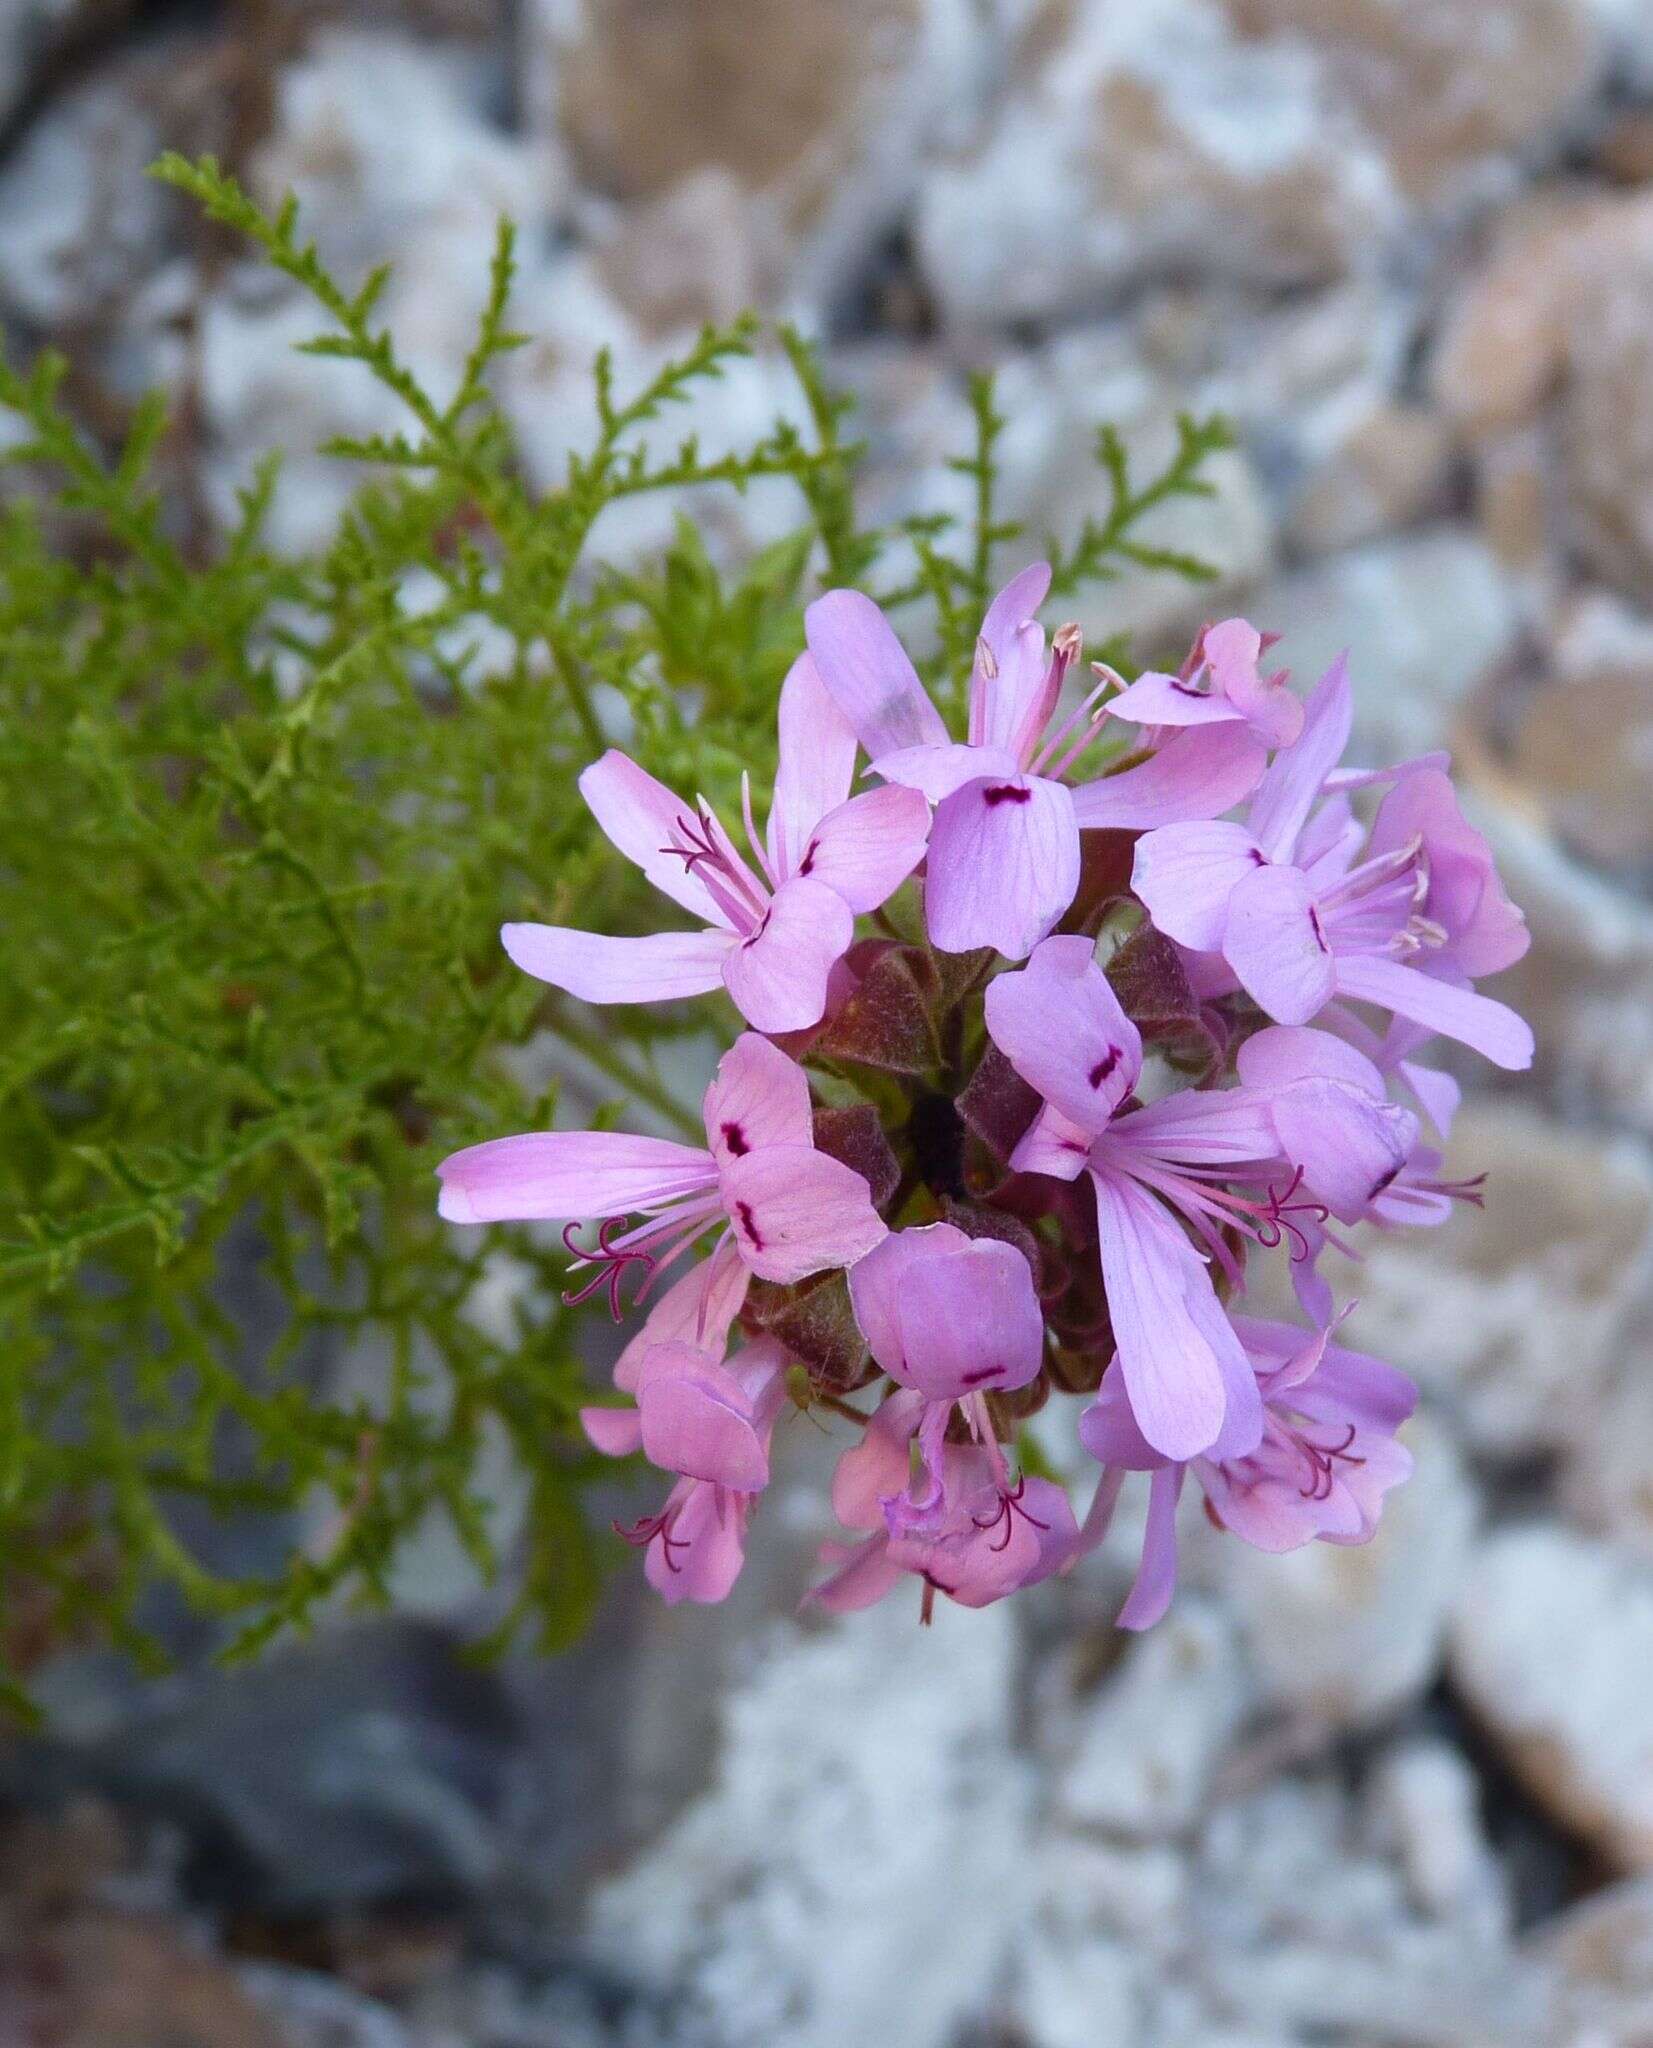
(1142, 141)
(1514, 1312)
(1601, 1954)
(1344, 1635)
(1424, 1801)
(1145, 1750)
(858, 1866)
(1552, 1647)
(1425, 620)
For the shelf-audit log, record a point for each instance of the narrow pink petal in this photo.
(1185, 874)
(757, 1097)
(1156, 1578)
(1172, 1374)
(1329, 842)
(1059, 1024)
(696, 1420)
(778, 977)
(616, 1432)
(639, 815)
(1109, 1431)
(879, 1466)
(866, 669)
(708, 1547)
(567, 1175)
(1005, 706)
(816, 764)
(1053, 1144)
(1199, 1127)
(877, 1281)
(866, 848)
(1197, 774)
(1492, 1029)
(1234, 647)
(1274, 944)
(698, 1308)
(1158, 699)
(1438, 1095)
(937, 771)
(797, 1212)
(866, 1574)
(1292, 786)
(1003, 865)
(604, 970)
(970, 1322)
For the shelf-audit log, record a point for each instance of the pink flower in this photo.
(1300, 921)
(953, 1318)
(774, 930)
(1219, 684)
(710, 1422)
(783, 1210)
(989, 1537)
(1003, 861)
(1326, 1458)
(1061, 1027)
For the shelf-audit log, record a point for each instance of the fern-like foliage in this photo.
(260, 820)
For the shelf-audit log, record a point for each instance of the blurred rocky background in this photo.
(1389, 1798)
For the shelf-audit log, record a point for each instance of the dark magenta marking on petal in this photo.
(980, 1378)
(735, 1138)
(1104, 1066)
(743, 1216)
(1319, 929)
(1006, 793)
(806, 865)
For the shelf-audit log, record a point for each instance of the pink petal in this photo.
(696, 1420)
(1053, 1144)
(1234, 647)
(1438, 1095)
(866, 848)
(604, 970)
(970, 1322)
(616, 1432)
(1185, 874)
(1003, 865)
(1199, 1127)
(937, 771)
(866, 669)
(1108, 1429)
(815, 768)
(638, 814)
(878, 1467)
(797, 1212)
(567, 1175)
(1156, 1578)
(698, 1308)
(1059, 1024)
(708, 1546)
(1486, 931)
(1005, 690)
(877, 1281)
(1196, 774)
(757, 1097)
(778, 977)
(1158, 699)
(1282, 1054)
(1349, 1146)
(1274, 944)
(1329, 842)
(866, 1574)
(1292, 786)
(1172, 1373)
(1491, 1029)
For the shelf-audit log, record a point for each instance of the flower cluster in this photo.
(1104, 1043)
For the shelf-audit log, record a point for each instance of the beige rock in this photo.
(1600, 1954)
(818, 114)
(1556, 324)
(1388, 470)
(1134, 142)
(1513, 1313)
(1453, 87)
(1551, 1645)
(1600, 796)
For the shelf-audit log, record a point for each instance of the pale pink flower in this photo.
(782, 1209)
(776, 925)
(1003, 861)
(1326, 1457)
(1221, 683)
(1299, 920)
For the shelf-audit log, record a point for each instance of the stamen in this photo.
(1009, 1507)
(611, 1261)
(641, 1534)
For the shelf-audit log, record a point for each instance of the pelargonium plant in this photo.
(1047, 1035)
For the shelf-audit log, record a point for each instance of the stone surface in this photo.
(1601, 1955)
(1138, 142)
(1512, 1314)
(1426, 620)
(1601, 682)
(1342, 1636)
(866, 1776)
(819, 115)
(1140, 1756)
(1551, 1644)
